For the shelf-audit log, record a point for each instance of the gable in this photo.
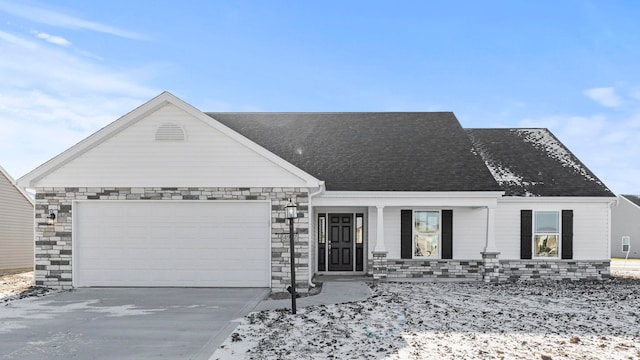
(11, 196)
(370, 151)
(533, 162)
(169, 145)
(634, 199)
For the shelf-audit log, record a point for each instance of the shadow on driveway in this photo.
(124, 323)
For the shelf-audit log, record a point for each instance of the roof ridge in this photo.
(508, 128)
(328, 112)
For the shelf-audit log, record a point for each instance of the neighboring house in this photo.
(16, 225)
(170, 196)
(625, 227)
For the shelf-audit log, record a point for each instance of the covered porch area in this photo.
(405, 234)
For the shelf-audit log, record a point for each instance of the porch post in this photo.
(380, 230)
(490, 260)
(490, 244)
(379, 252)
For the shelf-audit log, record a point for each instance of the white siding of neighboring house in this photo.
(590, 227)
(133, 158)
(469, 231)
(16, 227)
(625, 221)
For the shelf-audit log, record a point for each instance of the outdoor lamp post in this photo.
(291, 211)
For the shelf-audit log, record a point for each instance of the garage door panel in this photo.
(165, 243)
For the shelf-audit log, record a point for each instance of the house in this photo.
(168, 195)
(16, 225)
(625, 227)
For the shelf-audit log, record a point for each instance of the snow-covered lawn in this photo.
(541, 320)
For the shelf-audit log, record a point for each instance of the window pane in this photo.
(322, 232)
(427, 221)
(359, 229)
(547, 222)
(545, 245)
(426, 245)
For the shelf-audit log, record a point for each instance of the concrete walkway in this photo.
(334, 291)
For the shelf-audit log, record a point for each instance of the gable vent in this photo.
(170, 132)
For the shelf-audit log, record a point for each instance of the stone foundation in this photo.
(379, 268)
(491, 269)
(413, 268)
(513, 270)
(53, 243)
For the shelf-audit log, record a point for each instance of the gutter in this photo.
(311, 195)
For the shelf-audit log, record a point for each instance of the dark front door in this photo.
(340, 242)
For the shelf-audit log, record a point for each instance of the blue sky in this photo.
(68, 68)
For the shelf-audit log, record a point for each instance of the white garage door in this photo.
(171, 243)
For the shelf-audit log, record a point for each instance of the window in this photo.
(546, 233)
(322, 229)
(626, 243)
(426, 234)
(322, 241)
(359, 229)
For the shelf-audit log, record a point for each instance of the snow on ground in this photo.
(19, 285)
(524, 320)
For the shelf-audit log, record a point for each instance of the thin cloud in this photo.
(605, 96)
(49, 17)
(21, 66)
(57, 40)
(48, 106)
(15, 41)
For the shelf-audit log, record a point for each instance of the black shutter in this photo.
(567, 234)
(406, 233)
(447, 234)
(526, 232)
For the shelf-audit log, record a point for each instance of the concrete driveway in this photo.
(123, 323)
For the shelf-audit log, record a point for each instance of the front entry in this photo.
(340, 242)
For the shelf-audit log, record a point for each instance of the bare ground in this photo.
(18, 285)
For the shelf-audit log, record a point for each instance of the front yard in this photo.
(526, 320)
(544, 320)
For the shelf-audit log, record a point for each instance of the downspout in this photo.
(311, 195)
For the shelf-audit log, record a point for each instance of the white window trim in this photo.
(626, 240)
(534, 233)
(413, 235)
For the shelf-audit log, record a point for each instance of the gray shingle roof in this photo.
(633, 198)
(419, 151)
(533, 162)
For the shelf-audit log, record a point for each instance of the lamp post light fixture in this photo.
(291, 212)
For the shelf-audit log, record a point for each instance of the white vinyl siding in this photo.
(625, 222)
(469, 231)
(590, 227)
(172, 243)
(16, 227)
(207, 157)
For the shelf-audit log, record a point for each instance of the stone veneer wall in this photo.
(506, 270)
(53, 243)
(412, 268)
(554, 269)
